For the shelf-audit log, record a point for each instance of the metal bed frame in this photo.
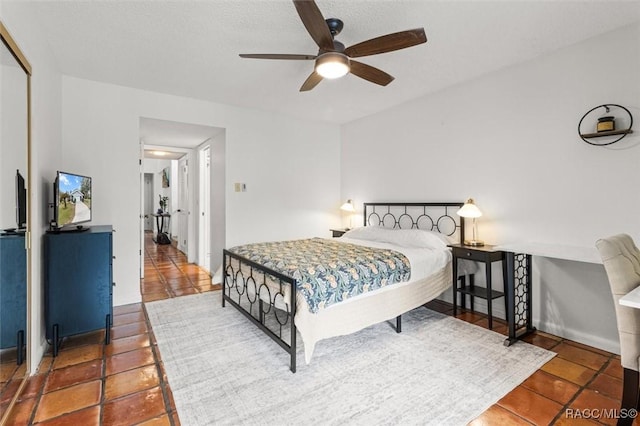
(245, 282)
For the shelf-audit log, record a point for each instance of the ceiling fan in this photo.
(333, 59)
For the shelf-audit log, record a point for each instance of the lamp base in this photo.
(473, 243)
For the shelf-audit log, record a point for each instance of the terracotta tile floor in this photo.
(580, 381)
(124, 383)
(167, 273)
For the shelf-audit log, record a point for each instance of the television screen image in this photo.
(73, 203)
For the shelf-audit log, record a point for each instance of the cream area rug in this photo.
(223, 370)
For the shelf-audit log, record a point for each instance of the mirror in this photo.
(15, 119)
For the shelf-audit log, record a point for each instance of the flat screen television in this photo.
(72, 195)
(21, 202)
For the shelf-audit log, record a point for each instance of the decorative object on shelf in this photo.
(348, 207)
(606, 126)
(163, 203)
(469, 209)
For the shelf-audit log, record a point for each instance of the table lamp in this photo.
(469, 209)
(348, 207)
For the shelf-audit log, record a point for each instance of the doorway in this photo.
(183, 142)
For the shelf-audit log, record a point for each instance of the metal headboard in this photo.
(439, 217)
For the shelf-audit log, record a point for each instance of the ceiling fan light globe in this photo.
(332, 65)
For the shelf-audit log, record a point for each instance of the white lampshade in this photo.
(332, 65)
(469, 209)
(348, 207)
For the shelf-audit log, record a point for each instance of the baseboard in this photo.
(599, 342)
(479, 304)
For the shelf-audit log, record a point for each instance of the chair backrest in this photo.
(621, 259)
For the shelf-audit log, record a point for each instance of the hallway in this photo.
(167, 273)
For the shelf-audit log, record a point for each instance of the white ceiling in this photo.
(190, 48)
(163, 154)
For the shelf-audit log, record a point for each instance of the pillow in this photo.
(402, 237)
(370, 233)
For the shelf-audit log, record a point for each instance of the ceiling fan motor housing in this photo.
(335, 26)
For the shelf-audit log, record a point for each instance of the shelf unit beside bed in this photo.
(487, 255)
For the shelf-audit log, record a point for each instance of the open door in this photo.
(204, 226)
(183, 205)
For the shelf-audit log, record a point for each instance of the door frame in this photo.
(141, 207)
(183, 191)
(204, 207)
(190, 154)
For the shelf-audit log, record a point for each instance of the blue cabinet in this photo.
(78, 283)
(13, 292)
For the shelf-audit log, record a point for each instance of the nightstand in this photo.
(338, 232)
(486, 255)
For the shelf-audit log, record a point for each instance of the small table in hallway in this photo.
(161, 236)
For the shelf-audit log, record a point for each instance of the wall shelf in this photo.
(607, 133)
(621, 133)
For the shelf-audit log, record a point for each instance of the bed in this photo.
(258, 278)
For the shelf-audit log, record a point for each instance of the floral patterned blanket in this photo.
(327, 271)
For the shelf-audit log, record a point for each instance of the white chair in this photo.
(621, 259)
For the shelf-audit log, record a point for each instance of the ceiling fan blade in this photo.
(311, 82)
(315, 24)
(276, 56)
(387, 43)
(370, 73)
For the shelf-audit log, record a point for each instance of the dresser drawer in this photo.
(462, 253)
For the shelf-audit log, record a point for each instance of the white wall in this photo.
(510, 140)
(45, 151)
(288, 195)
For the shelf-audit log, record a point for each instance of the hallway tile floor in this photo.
(124, 383)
